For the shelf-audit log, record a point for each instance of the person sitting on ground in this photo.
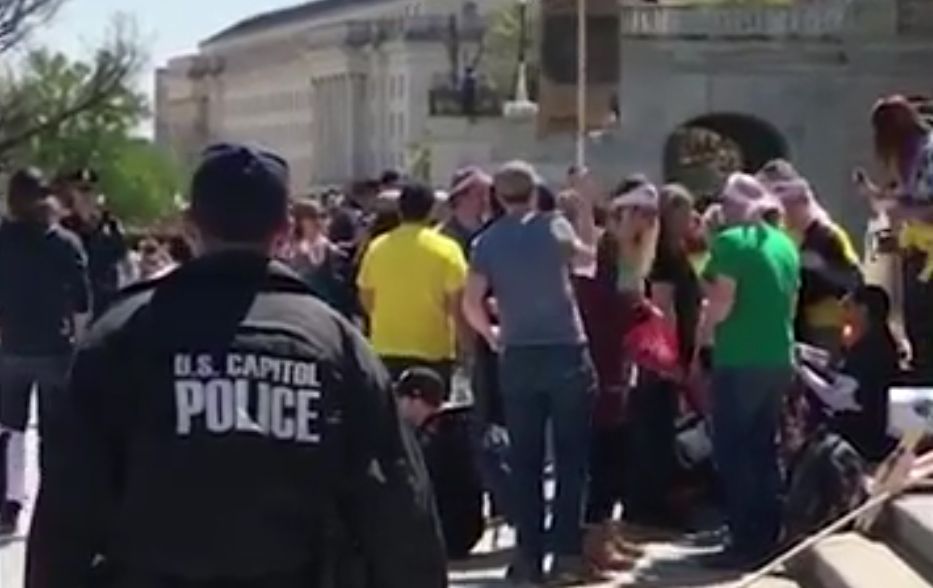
(444, 436)
(872, 358)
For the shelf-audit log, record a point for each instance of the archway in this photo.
(703, 152)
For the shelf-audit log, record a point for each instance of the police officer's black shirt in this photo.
(106, 247)
(224, 419)
(43, 284)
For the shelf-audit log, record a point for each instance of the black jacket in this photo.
(43, 285)
(106, 247)
(227, 425)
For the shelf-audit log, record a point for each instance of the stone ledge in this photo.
(852, 561)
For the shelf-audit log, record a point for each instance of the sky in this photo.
(167, 27)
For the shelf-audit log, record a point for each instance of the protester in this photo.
(228, 429)
(829, 262)
(546, 373)
(753, 277)
(468, 202)
(154, 260)
(179, 250)
(872, 359)
(390, 180)
(609, 303)
(44, 301)
(444, 433)
(904, 147)
(491, 440)
(675, 284)
(323, 267)
(411, 280)
(99, 230)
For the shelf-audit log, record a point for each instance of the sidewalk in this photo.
(666, 565)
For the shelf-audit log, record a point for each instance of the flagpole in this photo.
(581, 84)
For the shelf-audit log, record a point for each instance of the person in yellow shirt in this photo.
(410, 281)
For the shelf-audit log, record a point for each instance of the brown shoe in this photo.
(626, 548)
(600, 551)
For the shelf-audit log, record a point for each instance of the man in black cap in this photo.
(229, 429)
(44, 299)
(100, 232)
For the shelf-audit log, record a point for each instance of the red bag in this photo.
(652, 344)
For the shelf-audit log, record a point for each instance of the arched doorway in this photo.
(704, 151)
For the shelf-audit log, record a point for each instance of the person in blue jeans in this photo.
(546, 375)
(753, 276)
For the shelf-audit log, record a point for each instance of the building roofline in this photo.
(266, 20)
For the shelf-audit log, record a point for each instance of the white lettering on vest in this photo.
(250, 394)
(189, 401)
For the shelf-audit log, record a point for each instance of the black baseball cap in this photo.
(240, 193)
(26, 191)
(423, 384)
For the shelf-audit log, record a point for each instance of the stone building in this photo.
(341, 88)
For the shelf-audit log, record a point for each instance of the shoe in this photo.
(9, 517)
(574, 571)
(626, 548)
(601, 552)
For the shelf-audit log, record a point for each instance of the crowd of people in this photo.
(589, 324)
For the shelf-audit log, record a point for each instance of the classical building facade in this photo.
(341, 88)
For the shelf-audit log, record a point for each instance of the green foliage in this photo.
(501, 44)
(92, 137)
(138, 180)
(141, 182)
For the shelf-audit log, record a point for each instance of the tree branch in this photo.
(18, 18)
(119, 60)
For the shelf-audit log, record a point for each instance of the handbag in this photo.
(651, 343)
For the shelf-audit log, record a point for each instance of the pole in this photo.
(581, 84)
(523, 30)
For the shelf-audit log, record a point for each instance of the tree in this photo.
(26, 111)
(142, 182)
(138, 180)
(18, 18)
(500, 58)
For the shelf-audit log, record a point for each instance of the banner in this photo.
(559, 64)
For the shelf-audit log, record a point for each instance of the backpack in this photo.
(826, 481)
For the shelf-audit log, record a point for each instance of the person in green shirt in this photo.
(752, 282)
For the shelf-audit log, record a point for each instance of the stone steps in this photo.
(910, 527)
(901, 558)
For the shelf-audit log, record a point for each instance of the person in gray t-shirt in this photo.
(526, 258)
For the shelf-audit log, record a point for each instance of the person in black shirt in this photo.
(872, 358)
(99, 231)
(44, 299)
(675, 286)
(444, 433)
(229, 429)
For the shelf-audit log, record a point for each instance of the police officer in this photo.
(228, 429)
(99, 230)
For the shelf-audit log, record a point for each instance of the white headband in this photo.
(642, 196)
